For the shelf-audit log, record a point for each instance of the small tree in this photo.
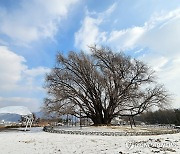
(102, 86)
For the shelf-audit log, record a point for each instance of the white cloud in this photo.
(155, 60)
(34, 78)
(89, 32)
(11, 67)
(169, 74)
(163, 35)
(18, 81)
(126, 39)
(36, 71)
(34, 19)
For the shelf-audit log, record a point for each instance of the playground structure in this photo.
(20, 110)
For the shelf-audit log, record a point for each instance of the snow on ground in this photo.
(38, 142)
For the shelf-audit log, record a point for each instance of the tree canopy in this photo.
(102, 85)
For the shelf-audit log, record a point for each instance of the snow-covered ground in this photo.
(38, 142)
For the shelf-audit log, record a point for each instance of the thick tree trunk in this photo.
(101, 121)
(101, 117)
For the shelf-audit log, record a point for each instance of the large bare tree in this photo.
(102, 86)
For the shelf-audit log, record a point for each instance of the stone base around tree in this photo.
(112, 131)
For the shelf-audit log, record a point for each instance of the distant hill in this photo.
(39, 114)
(15, 117)
(10, 117)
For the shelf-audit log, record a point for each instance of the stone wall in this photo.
(50, 129)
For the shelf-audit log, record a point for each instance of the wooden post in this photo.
(80, 120)
(133, 121)
(130, 121)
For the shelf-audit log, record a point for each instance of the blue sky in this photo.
(32, 32)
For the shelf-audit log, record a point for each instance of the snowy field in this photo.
(38, 142)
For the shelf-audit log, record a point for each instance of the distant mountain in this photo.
(10, 117)
(39, 114)
(6, 117)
